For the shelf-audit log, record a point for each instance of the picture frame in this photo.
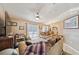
(21, 27)
(10, 23)
(14, 24)
(72, 23)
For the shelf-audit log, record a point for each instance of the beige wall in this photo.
(20, 22)
(59, 25)
(2, 14)
(15, 29)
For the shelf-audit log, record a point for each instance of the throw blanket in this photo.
(36, 49)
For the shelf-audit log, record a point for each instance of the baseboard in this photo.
(70, 50)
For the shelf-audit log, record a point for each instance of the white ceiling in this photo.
(48, 11)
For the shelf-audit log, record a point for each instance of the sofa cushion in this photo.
(9, 52)
(22, 47)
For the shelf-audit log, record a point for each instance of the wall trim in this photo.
(69, 49)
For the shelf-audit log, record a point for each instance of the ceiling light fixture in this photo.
(37, 16)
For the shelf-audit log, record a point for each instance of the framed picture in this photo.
(72, 23)
(21, 27)
(14, 24)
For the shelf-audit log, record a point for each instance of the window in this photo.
(45, 28)
(33, 30)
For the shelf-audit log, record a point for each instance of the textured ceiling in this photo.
(47, 11)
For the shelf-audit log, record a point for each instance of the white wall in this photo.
(72, 37)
